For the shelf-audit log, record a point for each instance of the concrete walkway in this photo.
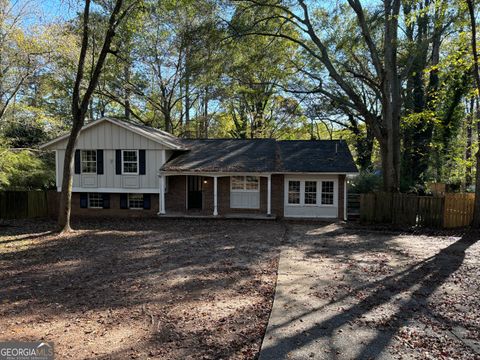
(372, 295)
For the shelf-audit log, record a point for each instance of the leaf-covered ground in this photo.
(356, 293)
(128, 289)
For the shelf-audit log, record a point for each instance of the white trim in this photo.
(245, 184)
(131, 162)
(319, 203)
(269, 195)
(113, 190)
(215, 196)
(161, 196)
(128, 202)
(118, 123)
(345, 198)
(88, 200)
(81, 162)
(57, 165)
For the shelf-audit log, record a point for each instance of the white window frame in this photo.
(299, 192)
(134, 208)
(319, 192)
(123, 163)
(82, 161)
(316, 191)
(94, 207)
(245, 184)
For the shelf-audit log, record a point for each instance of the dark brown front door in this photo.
(194, 192)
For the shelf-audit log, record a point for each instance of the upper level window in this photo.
(245, 183)
(135, 201)
(294, 192)
(95, 200)
(327, 192)
(130, 162)
(310, 192)
(89, 161)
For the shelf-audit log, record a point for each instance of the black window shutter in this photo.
(106, 201)
(100, 162)
(146, 201)
(83, 200)
(123, 201)
(142, 162)
(77, 161)
(118, 162)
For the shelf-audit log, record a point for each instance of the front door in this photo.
(194, 192)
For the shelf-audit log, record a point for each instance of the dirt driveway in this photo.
(352, 293)
(162, 289)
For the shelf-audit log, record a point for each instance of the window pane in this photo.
(238, 182)
(129, 156)
(130, 162)
(135, 201)
(89, 161)
(95, 200)
(252, 183)
(294, 192)
(327, 192)
(310, 192)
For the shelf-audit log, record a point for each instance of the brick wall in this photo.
(114, 210)
(175, 199)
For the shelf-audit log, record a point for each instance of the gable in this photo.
(114, 134)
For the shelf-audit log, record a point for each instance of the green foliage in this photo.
(365, 182)
(24, 170)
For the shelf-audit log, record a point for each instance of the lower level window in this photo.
(95, 200)
(327, 192)
(310, 192)
(294, 192)
(135, 201)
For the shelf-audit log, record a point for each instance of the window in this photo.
(130, 161)
(327, 192)
(245, 183)
(95, 200)
(294, 192)
(135, 201)
(310, 192)
(89, 161)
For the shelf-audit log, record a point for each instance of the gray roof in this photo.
(263, 155)
(315, 156)
(225, 155)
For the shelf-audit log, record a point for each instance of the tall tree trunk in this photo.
(126, 71)
(473, 25)
(468, 149)
(80, 105)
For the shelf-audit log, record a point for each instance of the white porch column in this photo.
(269, 195)
(215, 196)
(161, 199)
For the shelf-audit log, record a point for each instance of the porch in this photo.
(207, 195)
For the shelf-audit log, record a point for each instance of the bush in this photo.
(365, 182)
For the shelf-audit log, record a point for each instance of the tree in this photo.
(381, 72)
(81, 99)
(476, 72)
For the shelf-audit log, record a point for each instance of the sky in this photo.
(45, 11)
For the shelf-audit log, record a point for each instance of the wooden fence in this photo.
(28, 204)
(449, 210)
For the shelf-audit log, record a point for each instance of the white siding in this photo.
(244, 200)
(110, 137)
(311, 211)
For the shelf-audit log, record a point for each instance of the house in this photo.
(121, 168)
